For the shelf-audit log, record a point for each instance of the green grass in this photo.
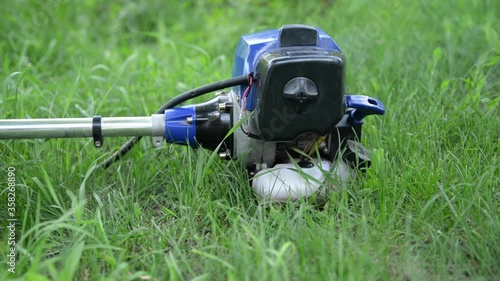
(429, 209)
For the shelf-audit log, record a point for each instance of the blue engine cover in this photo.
(252, 46)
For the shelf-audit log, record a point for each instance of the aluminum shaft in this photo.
(82, 127)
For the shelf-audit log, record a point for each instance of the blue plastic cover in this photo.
(177, 128)
(251, 47)
(363, 106)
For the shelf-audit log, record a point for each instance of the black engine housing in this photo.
(300, 91)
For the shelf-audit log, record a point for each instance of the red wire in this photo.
(245, 94)
(250, 81)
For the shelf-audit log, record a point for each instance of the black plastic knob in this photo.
(298, 35)
(298, 92)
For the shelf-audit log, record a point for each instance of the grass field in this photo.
(429, 208)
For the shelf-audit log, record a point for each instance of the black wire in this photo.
(253, 136)
(220, 85)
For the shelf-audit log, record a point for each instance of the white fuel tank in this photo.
(288, 181)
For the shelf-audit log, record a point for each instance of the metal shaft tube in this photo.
(81, 127)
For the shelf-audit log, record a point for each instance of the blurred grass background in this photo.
(427, 210)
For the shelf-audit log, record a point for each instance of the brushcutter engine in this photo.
(287, 117)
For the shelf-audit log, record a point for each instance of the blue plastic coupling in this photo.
(180, 125)
(363, 106)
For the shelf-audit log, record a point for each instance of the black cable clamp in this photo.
(97, 131)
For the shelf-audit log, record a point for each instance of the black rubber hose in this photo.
(220, 85)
